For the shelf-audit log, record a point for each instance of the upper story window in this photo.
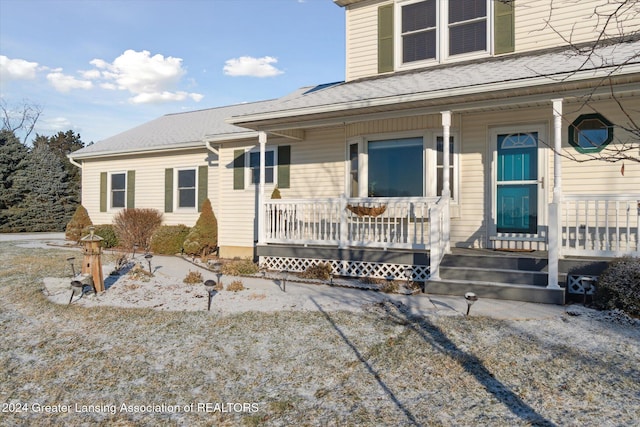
(118, 190)
(437, 31)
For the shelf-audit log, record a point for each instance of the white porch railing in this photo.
(600, 225)
(361, 222)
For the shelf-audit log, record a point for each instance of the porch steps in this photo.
(513, 276)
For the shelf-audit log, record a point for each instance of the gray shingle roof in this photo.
(478, 76)
(173, 131)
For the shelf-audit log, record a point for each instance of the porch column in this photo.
(262, 139)
(555, 226)
(446, 177)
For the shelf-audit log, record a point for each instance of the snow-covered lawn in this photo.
(374, 364)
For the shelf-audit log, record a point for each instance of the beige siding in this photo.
(149, 191)
(362, 39)
(537, 26)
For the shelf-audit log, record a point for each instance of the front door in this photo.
(517, 191)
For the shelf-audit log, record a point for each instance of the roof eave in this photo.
(130, 151)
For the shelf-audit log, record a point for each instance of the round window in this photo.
(590, 133)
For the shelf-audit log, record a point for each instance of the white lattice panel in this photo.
(575, 284)
(348, 268)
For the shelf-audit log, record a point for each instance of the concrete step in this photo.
(495, 275)
(482, 289)
(495, 261)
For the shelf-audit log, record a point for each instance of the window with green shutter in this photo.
(385, 38)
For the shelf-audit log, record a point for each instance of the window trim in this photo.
(442, 37)
(249, 169)
(176, 190)
(110, 190)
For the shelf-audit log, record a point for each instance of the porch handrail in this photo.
(394, 222)
(600, 224)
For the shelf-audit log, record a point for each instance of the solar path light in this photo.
(148, 258)
(210, 286)
(470, 297)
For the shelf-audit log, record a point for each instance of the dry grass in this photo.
(380, 367)
(235, 286)
(193, 277)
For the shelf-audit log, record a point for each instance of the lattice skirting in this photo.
(575, 284)
(348, 268)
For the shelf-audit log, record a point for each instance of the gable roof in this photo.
(175, 131)
(441, 84)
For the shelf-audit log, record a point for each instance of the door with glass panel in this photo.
(517, 183)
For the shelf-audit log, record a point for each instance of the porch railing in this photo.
(600, 225)
(362, 222)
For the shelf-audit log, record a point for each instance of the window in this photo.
(254, 166)
(590, 133)
(353, 165)
(118, 190)
(396, 168)
(437, 30)
(186, 188)
(440, 166)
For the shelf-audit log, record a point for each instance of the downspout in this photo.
(211, 147)
(73, 162)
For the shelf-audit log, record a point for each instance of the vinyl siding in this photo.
(149, 172)
(569, 21)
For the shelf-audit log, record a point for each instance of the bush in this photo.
(169, 239)
(203, 237)
(235, 286)
(618, 287)
(319, 271)
(275, 194)
(108, 234)
(240, 267)
(79, 221)
(135, 226)
(193, 277)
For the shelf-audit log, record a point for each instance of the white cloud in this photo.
(17, 69)
(253, 67)
(151, 79)
(64, 83)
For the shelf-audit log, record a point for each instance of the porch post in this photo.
(262, 139)
(446, 177)
(555, 226)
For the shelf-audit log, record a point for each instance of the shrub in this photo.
(135, 226)
(108, 234)
(240, 267)
(79, 221)
(275, 194)
(389, 286)
(319, 271)
(235, 286)
(168, 239)
(618, 287)
(193, 277)
(203, 237)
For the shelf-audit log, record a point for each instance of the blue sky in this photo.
(101, 67)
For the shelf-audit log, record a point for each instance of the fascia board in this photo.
(129, 151)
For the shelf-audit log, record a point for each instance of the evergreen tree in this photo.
(42, 185)
(203, 237)
(12, 152)
(62, 144)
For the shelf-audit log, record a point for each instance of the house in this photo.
(461, 127)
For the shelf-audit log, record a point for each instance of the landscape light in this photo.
(408, 273)
(76, 288)
(73, 268)
(470, 297)
(284, 273)
(219, 275)
(210, 286)
(133, 255)
(148, 258)
(331, 278)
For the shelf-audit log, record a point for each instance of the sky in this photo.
(101, 67)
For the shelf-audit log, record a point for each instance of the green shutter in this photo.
(131, 189)
(504, 27)
(385, 38)
(238, 169)
(103, 191)
(168, 190)
(203, 185)
(284, 168)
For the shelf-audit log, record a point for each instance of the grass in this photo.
(380, 367)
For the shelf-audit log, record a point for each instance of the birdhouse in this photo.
(91, 263)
